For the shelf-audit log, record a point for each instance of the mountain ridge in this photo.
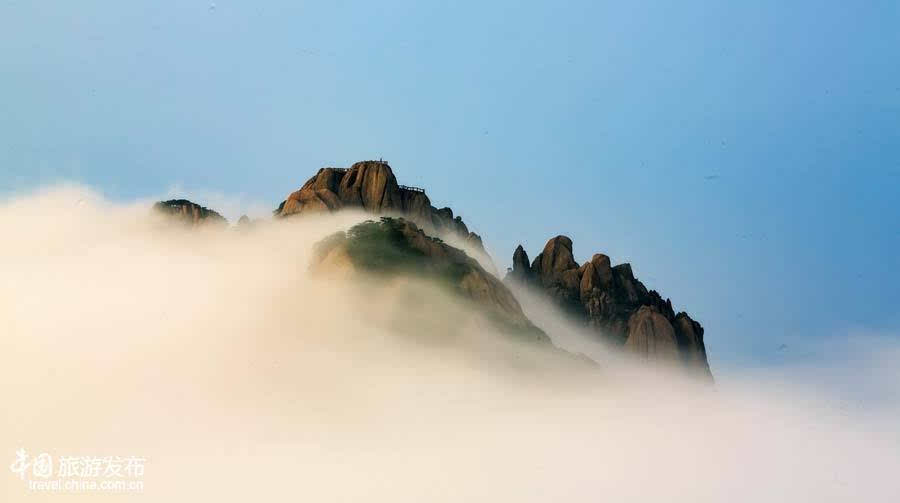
(394, 247)
(613, 303)
(372, 186)
(607, 299)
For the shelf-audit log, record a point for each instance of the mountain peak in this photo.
(188, 212)
(614, 303)
(372, 187)
(395, 247)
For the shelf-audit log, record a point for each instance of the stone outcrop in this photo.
(606, 298)
(397, 247)
(651, 336)
(190, 214)
(613, 302)
(372, 186)
(520, 264)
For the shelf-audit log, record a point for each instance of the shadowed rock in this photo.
(651, 336)
(521, 268)
(397, 247)
(189, 213)
(615, 303)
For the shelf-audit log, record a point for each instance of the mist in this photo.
(214, 354)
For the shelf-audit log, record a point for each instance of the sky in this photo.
(745, 158)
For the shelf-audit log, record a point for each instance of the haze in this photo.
(215, 356)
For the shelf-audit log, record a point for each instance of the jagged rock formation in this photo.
(372, 186)
(609, 299)
(191, 214)
(395, 246)
(614, 302)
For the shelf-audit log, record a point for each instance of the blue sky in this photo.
(745, 158)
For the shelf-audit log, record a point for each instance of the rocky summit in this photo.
(188, 213)
(614, 303)
(606, 298)
(395, 247)
(372, 186)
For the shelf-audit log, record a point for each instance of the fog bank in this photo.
(214, 355)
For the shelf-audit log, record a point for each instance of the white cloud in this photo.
(215, 356)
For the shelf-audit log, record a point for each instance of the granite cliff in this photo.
(612, 301)
(606, 298)
(372, 186)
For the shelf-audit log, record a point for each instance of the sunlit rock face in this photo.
(372, 186)
(606, 298)
(615, 303)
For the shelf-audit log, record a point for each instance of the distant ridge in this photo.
(188, 212)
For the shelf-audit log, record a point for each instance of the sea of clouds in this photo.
(216, 356)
